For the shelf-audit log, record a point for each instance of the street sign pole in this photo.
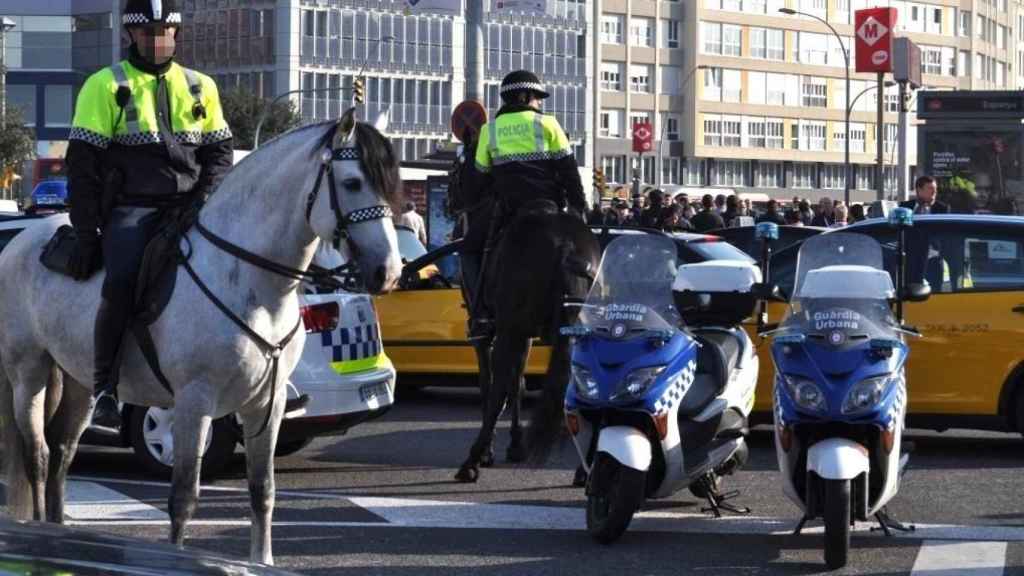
(880, 167)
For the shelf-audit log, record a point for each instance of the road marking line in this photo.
(959, 558)
(89, 500)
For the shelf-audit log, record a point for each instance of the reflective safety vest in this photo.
(524, 137)
(118, 105)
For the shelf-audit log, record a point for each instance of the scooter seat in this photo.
(718, 355)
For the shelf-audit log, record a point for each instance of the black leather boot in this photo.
(111, 321)
(480, 324)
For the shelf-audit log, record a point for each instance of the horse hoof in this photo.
(515, 454)
(467, 474)
(487, 460)
(579, 479)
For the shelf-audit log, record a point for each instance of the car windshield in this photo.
(842, 290)
(632, 294)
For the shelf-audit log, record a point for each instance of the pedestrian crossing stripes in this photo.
(960, 558)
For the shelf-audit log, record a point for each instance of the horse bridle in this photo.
(319, 276)
(329, 156)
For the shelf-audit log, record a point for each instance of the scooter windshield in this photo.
(842, 291)
(632, 294)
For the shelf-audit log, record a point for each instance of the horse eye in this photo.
(352, 184)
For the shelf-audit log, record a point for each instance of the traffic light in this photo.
(599, 182)
(358, 95)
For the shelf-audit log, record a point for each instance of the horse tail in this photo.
(18, 488)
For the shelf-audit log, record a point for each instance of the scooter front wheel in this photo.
(837, 522)
(610, 512)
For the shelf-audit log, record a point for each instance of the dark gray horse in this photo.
(543, 258)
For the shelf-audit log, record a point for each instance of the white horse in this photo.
(315, 184)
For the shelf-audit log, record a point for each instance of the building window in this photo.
(865, 177)
(641, 32)
(732, 131)
(812, 48)
(614, 168)
(832, 176)
(812, 136)
(768, 175)
(732, 86)
(931, 60)
(776, 44)
(671, 33)
(638, 118)
(57, 111)
(775, 94)
(23, 97)
(611, 124)
(965, 23)
(775, 133)
(729, 173)
(759, 42)
(640, 78)
(670, 170)
(611, 29)
(671, 129)
(803, 175)
(669, 81)
(693, 172)
(815, 92)
(712, 84)
(611, 76)
(731, 40)
(755, 133)
(712, 34)
(712, 130)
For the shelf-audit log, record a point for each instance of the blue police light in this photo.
(901, 217)
(767, 231)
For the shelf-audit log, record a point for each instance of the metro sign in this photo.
(874, 39)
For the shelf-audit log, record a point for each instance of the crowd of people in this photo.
(681, 214)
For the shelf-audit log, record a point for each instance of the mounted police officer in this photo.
(523, 155)
(148, 135)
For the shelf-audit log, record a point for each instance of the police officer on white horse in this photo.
(148, 134)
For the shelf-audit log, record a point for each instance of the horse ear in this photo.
(382, 120)
(345, 134)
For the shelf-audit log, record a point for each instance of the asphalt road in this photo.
(382, 500)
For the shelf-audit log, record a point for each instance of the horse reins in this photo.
(319, 276)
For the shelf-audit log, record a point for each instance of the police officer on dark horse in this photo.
(526, 169)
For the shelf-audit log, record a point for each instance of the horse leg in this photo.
(259, 460)
(67, 425)
(483, 361)
(516, 450)
(192, 418)
(494, 403)
(31, 378)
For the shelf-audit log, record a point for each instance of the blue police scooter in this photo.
(840, 390)
(663, 380)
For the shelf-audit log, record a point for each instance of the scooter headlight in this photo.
(866, 394)
(637, 382)
(584, 381)
(805, 393)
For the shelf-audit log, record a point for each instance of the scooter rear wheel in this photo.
(609, 513)
(837, 522)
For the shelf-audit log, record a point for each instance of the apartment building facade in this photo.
(413, 60)
(764, 92)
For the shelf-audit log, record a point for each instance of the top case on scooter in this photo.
(716, 293)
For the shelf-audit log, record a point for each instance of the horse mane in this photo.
(377, 158)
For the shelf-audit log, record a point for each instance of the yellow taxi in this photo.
(968, 369)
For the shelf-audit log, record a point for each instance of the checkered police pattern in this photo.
(522, 86)
(675, 391)
(90, 137)
(371, 213)
(139, 18)
(896, 411)
(355, 343)
(215, 136)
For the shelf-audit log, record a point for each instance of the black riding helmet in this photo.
(151, 12)
(521, 81)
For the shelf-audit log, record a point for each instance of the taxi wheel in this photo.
(151, 435)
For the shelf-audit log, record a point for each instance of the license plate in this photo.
(368, 392)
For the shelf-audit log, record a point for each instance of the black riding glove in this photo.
(86, 257)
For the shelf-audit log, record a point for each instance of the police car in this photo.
(343, 370)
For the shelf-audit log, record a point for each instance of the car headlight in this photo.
(805, 393)
(584, 381)
(866, 394)
(636, 382)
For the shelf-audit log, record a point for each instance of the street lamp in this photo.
(661, 139)
(6, 25)
(269, 105)
(846, 58)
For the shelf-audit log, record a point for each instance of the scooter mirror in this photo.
(918, 292)
(901, 217)
(764, 291)
(767, 231)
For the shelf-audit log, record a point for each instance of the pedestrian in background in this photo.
(708, 218)
(412, 220)
(772, 214)
(839, 213)
(857, 213)
(825, 215)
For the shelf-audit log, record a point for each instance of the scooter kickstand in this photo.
(800, 526)
(886, 522)
(718, 503)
